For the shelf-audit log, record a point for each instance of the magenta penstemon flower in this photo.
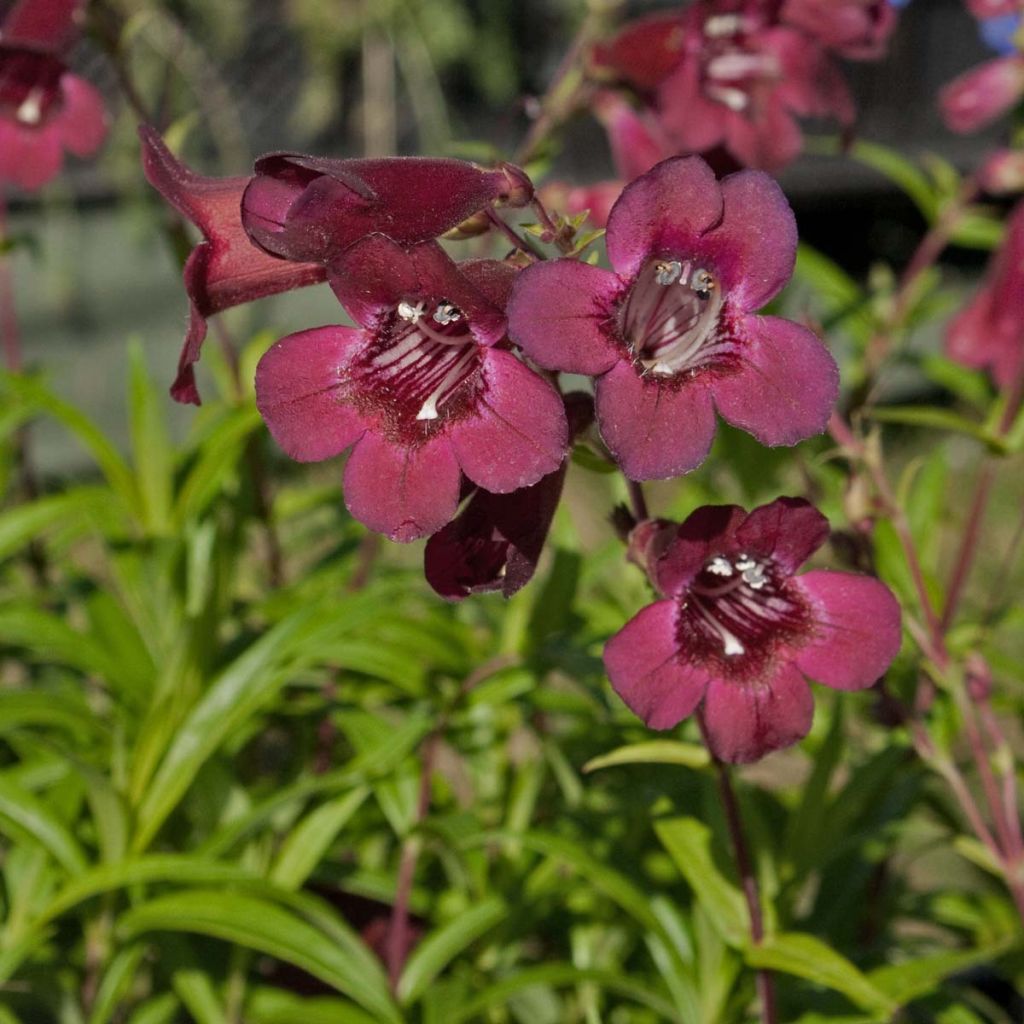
(425, 390)
(44, 108)
(737, 632)
(857, 29)
(670, 332)
(989, 332)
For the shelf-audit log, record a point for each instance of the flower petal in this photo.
(665, 210)
(788, 530)
(745, 721)
(300, 393)
(753, 250)
(645, 51)
(787, 385)
(558, 312)
(643, 665)
(858, 629)
(30, 157)
(655, 430)
(83, 121)
(403, 492)
(519, 431)
(982, 94)
(636, 139)
(43, 25)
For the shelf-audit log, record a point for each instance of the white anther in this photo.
(720, 566)
(755, 577)
(666, 273)
(723, 25)
(408, 311)
(447, 313)
(702, 282)
(745, 562)
(732, 646)
(31, 109)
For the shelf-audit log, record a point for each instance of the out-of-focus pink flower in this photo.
(670, 332)
(44, 108)
(1003, 172)
(311, 208)
(857, 29)
(225, 269)
(995, 8)
(989, 333)
(729, 75)
(980, 95)
(424, 390)
(738, 633)
(497, 540)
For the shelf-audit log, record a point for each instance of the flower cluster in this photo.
(446, 390)
(730, 78)
(44, 108)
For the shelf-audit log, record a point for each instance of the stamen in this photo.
(408, 311)
(667, 273)
(31, 109)
(720, 566)
(447, 313)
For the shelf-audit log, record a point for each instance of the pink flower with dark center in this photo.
(742, 84)
(979, 96)
(424, 390)
(857, 29)
(989, 333)
(311, 209)
(496, 541)
(44, 108)
(736, 632)
(670, 332)
(225, 269)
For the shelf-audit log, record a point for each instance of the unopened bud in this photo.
(520, 187)
(1003, 172)
(648, 541)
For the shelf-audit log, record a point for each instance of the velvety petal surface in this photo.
(858, 629)
(29, 157)
(83, 121)
(644, 668)
(788, 530)
(637, 141)
(706, 531)
(300, 394)
(45, 25)
(558, 312)
(655, 431)
(519, 431)
(753, 249)
(644, 52)
(786, 387)
(664, 211)
(400, 491)
(746, 721)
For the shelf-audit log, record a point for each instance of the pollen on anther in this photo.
(447, 313)
(410, 311)
(720, 566)
(668, 272)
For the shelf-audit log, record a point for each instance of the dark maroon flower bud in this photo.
(225, 269)
(311, 208)
(497, 540)
(44, 108)
(647, 542)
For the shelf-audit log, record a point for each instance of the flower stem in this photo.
(748, 878)
(637, 500)
(522, 244)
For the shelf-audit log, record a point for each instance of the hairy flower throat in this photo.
(672, 316)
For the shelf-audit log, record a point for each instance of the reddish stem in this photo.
(745, 867)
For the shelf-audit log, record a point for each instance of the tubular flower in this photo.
(979, 96)
(44, 108)
(727, 74)
(670, 332)
(497, 540)
(225, 269)
(424, 390)
(857, 29)
(310, 208)
(737, 632)
(989, 333)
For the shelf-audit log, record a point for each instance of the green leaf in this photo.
(267, 928)
(151, 444)
(272, 1006)
(808, 957)
(310, 839)
(440, 947)
(690, 755)
(77, 508)
(899, 170)
(909, 981)
(22, 816)
(196, 991)
(937, 419)
(844, 301)
(117, 980)
(559, 976)
(688, 842)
